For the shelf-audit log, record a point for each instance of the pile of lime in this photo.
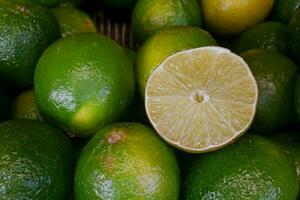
(206, 107)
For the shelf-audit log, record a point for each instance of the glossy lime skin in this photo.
(26, 30)
(290, 142)
(149, 16)
(267, 35)
(275, 75)
(283, 9)
(165, 43)
(126, 161)
(35, 161)
(252, 168)
(84, 82)
(24, 107)
(294, 35)
(120, 3)
(72, 20)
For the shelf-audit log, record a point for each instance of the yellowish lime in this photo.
(201, 99)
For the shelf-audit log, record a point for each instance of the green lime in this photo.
(297, 97)
(36, 161)
(294, 35)
(290, 142)
(267, 35)
(120, 3)
(26, 30)
(72, 20)
(131, 54)
(163, 44)
(151, 15)
(283, 9)
(227, 18)
(127, 161)
(24, 107)
(83, 82)
(275, 75)
(252, 168)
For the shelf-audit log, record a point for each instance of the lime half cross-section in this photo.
(202, 99)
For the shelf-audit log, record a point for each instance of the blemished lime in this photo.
(127, 161)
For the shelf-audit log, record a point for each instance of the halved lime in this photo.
(201, 99)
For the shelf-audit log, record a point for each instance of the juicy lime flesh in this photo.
(127, 161)
(163, 44)
(253, 168)
(84, 82)
(36, 161)
(201, 99)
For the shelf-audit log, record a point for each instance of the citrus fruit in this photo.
(201, 99)
(290, 143)
(297, 97)
(127, 161)
(283, 9)
(24, 106)
(252, 168)
(151, 15)
(83, 82)
(294, 35)
(72, 20)
(26, 30)
(120, 3)
(267, 35)
(4, 105)
(163, 44)
(35, 161)
(131, 54)
(275, 75)
(227, 18)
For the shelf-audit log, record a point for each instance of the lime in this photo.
(294, 35)
(151, 15)
(201, 99)
(26, 30)
(120, 3)
(83, 82)
(267, 35)
(252, 168)
(127, 161)
(131, 54)
(275, 75)
(36, 161)
(290, 143)
(163, 44)
(24, 107)
(227, 18)
(283, 9)
(72, 20)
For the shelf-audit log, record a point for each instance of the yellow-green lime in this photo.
(36, 161)
(26, 30)
(127, 161)
(84, 82)
(252, 168)
(163, 44)
(202, 99)
(72, 20)
(149, 16)
(24, 107)
(275, 75)
(267, 35)
(227, 18)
